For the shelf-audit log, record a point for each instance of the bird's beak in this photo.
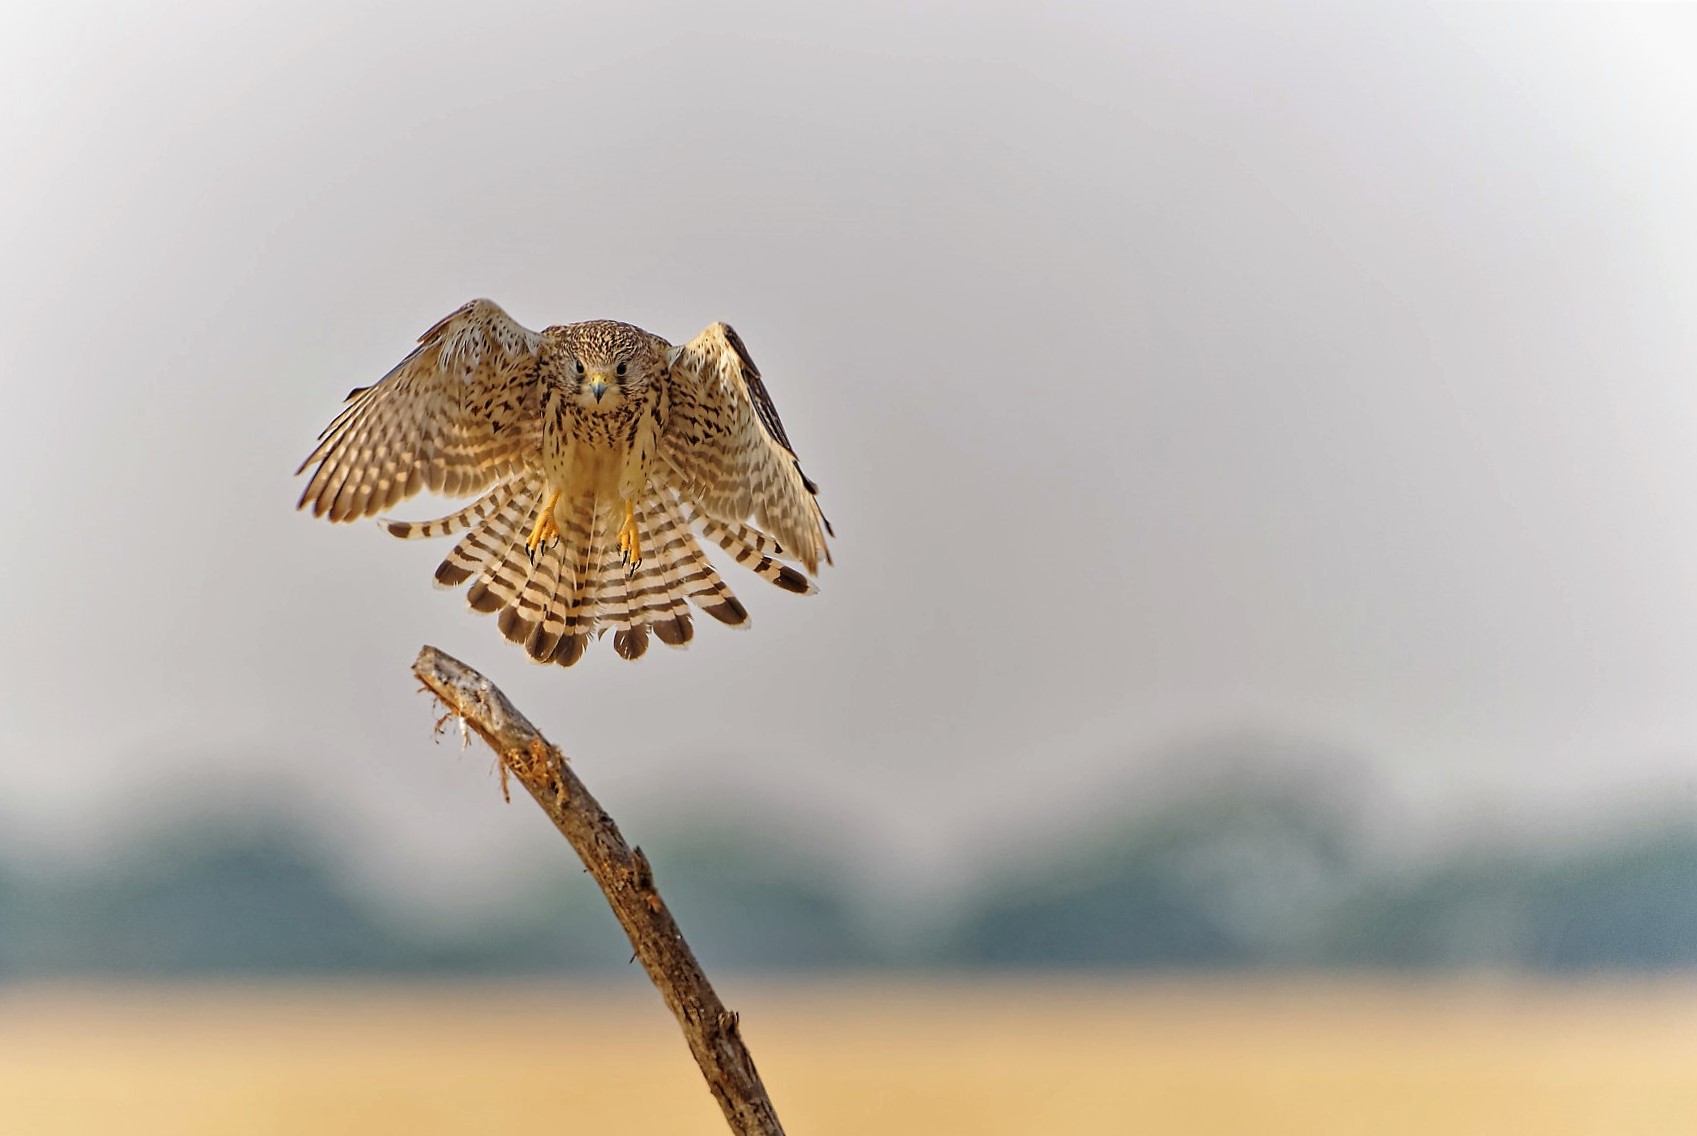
(598, 386)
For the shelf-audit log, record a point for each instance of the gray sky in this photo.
(1325, 371)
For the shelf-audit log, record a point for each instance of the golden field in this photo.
(990, 1057)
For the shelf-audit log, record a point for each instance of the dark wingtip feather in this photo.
(728, 610)
(570, 649)
(675, 632)
(514, 626)
(451, 575)
(482, 599)
(542, 644)
(792, 581)
(632, 642)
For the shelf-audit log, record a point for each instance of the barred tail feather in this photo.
(578, 586)
(690, 575)
(709, 593)
(655, 588)
(610, 596)
(525, 620)
(572, 609)
(498, 586)
(473, 513)
(755, 551)
(491, 539)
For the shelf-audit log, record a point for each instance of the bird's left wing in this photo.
(724, 441)
(458, 414)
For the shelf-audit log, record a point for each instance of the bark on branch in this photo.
(625, 879)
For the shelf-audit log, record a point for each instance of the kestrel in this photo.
(598, 450)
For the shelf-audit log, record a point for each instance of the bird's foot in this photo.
(630, 540)
(545, 529)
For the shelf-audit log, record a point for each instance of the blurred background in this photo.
(1260, 443)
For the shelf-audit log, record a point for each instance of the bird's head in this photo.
(607, 362)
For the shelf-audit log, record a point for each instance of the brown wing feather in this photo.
(727, 447)
(458, 414)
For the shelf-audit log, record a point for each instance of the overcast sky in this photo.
(1323, 372)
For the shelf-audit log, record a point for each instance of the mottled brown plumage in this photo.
(598, 451)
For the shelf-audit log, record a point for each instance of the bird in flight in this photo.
(597, 451)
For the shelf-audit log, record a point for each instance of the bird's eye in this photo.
(580, 368)
(620, 368)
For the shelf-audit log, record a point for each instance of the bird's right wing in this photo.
(729, 451)
(458, 414)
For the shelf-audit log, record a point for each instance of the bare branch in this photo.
(625, 879)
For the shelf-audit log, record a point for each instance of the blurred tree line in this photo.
(1235, 870)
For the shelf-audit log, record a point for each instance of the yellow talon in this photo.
(545, 529)
(630, 541)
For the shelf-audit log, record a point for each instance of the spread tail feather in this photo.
(577, 587)
(755, 551)
(491, 501)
